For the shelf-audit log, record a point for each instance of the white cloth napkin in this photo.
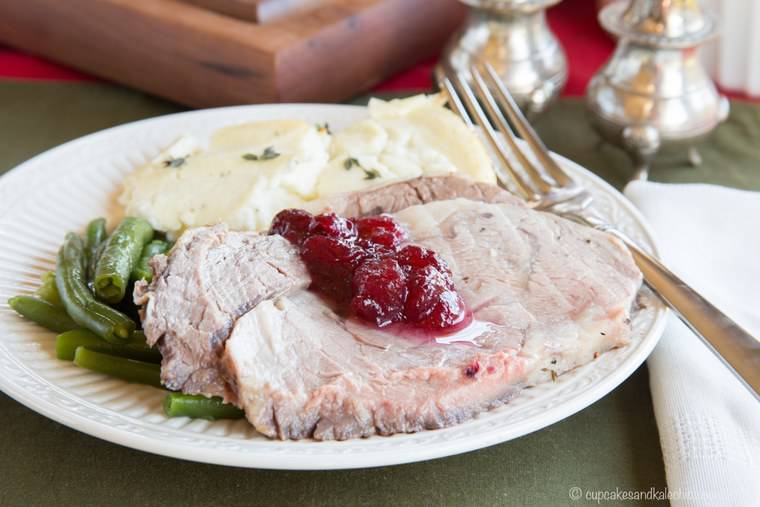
(709, 424)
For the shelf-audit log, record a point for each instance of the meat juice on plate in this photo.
(363, 266)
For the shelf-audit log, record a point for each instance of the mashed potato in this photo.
(247, 173)
(243, 178)
(403, 139)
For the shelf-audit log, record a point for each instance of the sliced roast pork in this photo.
(212, 277)
(546, 294)
(231, 313)
(401, 195)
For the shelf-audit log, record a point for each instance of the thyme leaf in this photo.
(268, 154)
(351, 162)
(371, 174)
(175, 162)
(324, 127)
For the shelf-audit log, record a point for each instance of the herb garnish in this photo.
(175, 162)
(350, 162)
(369, 174)
(324, 127)
(268, 154)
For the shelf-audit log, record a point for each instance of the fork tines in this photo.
(534, 178)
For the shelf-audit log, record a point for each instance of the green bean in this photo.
(142, 270)
(119, 367)
(102, 320)
(48, 291)
(199, 407)
(96, 234)
(136, 348)
(92, 263)
(121, 252)
(43, 313)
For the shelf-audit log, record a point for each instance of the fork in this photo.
(546, 187)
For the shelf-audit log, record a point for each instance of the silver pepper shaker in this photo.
(513, 36)
(654, 91)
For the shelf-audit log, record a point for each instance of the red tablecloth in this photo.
(574, 22)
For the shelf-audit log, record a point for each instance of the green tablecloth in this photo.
(612, 444)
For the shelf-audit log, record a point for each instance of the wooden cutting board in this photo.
(202, 58)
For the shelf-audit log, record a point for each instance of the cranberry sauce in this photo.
(363, 265)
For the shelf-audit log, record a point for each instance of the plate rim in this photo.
(376, 458)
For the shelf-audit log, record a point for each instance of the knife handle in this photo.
(738, 349)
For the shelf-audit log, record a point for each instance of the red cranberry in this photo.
(379, 291)
(381, 230)
(292, 224)
(331, 263)
(374, 250)
(431, 300)
(360, 263)
(333, 226)
(417, 257)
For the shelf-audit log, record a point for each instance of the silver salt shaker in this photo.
(654, 91)
(514, 37)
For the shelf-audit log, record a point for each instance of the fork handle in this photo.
(738, 349)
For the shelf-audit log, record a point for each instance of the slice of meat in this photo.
(211, 277)
(300, 370)
(547, 295)
(397, 196)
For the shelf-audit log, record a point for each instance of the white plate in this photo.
(64, 188)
